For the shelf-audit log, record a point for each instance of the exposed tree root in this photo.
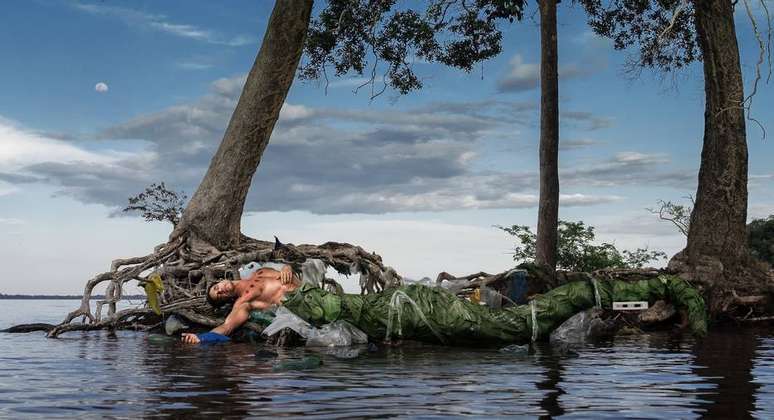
(186, 265)
(26, 328)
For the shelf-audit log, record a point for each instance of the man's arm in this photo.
(238, 316)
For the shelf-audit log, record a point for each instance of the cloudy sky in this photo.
(100, 99)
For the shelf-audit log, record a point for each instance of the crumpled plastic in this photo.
(581, 327)
(336, 334)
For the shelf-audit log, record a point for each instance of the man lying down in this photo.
(434, 315)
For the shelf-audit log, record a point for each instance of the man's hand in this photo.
(286, 275)
(189, 338)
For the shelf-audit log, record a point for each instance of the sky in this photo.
(102, 98)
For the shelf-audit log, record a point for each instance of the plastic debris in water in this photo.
(307, 363)
(516, 349)
(173, 325)
(336, 334)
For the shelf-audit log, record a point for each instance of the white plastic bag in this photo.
(336, 334)
(286, 319)
(581, 327)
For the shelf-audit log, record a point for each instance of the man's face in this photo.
(222, 290)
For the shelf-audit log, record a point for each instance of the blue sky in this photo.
(420, 179)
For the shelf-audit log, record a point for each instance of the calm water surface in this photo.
(726, 375)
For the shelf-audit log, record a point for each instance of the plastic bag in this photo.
(336, 334)
(581, 327)
(313, 271)
(455, 285)
(286, 319)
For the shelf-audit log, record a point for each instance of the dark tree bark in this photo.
(548, 207)
(214, 213)
(717, 242)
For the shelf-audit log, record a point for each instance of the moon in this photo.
(101, 87)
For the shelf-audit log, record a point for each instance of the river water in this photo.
(727, 375)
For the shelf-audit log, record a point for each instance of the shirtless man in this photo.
(263, 289)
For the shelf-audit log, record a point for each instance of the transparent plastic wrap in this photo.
(285, 319)
(336, 334)
(582, 327)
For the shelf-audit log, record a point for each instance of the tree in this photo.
(671, 34)
(576, 250)
(718, 220)
(215, 211)
(157, 203)
(207, 243)
(548, 203)
(760, 232)
(453, 33)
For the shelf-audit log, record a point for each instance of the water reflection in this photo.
(552, 362)
(725, 359)
(190, 381)
(730, 374)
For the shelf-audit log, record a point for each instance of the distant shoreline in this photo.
(60, 297)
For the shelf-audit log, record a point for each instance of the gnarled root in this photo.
(186, 265)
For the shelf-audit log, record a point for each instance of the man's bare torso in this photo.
(264, 288)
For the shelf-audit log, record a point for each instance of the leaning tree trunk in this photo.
(548, 207)
(215, 210)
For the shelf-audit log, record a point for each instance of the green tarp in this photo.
(435, 315)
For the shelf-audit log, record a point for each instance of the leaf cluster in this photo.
(459, 33)
(576, 250)
(662, 30)
(760, 237)
(157, 203)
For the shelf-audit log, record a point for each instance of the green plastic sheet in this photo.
(435, 315)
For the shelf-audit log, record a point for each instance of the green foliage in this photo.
(576, 250)
(158, 203)
(760, 236)
(458, 33)
(662, 30)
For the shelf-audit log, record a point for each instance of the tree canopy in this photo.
(347, 34)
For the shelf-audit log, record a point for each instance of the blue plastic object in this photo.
(211, 337)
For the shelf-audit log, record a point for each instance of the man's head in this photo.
(220, 293)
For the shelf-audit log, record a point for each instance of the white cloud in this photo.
(101, 87)
(11, 221)
(161, 23)
(20, 148)
(523, 76)
(192, 65)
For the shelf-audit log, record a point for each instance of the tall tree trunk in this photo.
(717, 234)
(548, 207)
(214, 213)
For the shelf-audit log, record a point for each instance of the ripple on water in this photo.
(647, 376)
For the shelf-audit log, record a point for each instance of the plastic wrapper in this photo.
(336, 334)
(285, 319)
(581, 328)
